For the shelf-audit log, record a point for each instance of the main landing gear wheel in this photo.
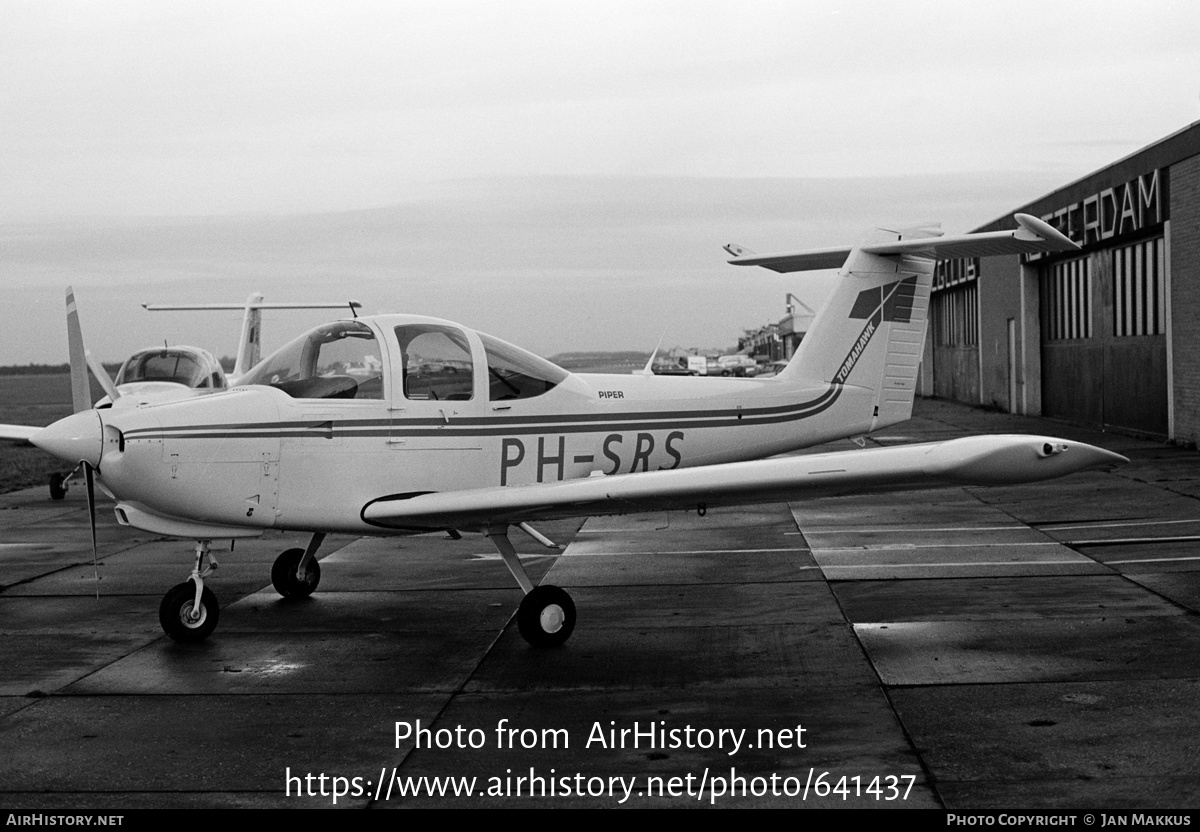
(58, 486)
(283, 575)
(546, 617)
(178, 618)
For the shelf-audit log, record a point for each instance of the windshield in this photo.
(335, 361)
(514, 373)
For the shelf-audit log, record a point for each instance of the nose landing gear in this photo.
(189, 611)
(183, 619)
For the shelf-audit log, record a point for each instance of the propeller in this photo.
(81, 399)
(82, 360)
(81, 391)
(89, 474)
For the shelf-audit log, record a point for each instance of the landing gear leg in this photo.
(189, 611)
(546, 616)
(297, 572)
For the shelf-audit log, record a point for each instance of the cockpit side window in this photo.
(514, 373)
(336, 361)
(437, 363)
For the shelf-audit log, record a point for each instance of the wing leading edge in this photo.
(974, 460)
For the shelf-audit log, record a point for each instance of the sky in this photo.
(562, 175)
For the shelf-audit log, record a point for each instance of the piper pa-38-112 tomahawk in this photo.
(162, 374)
(399, 424)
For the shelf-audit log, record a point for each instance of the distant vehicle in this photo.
(677, 367)
(697, 365)
(771, 370)
(736, 365)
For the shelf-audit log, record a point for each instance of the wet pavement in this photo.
(968, 649)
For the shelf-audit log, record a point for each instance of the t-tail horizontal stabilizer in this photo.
(1031, 235)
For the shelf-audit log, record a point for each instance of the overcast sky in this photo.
(562, 174)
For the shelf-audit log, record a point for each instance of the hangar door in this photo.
(1104, 348)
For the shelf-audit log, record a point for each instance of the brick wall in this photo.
(1185, 296)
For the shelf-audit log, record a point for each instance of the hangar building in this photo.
(1108, 335)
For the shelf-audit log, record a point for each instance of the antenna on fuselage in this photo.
(648, 370)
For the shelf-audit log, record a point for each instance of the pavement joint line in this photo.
(1082, 561)
(908, 547)
(574, 587)
(912, 529)
(1058, 528)
(1148, 560)
(683, 552)
(1133, 541)
(5, 587)
(611, 532)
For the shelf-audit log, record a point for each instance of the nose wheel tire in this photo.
(58, 486)
(181, 621)
(283, 575)
(546, 616)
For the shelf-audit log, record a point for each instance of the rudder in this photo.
(870, 333)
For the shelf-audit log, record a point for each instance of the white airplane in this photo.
(400, 424)
(162, 374)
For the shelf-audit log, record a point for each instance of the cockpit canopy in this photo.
(439, 362)
(189, 366)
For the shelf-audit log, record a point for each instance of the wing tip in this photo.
(1044, 231)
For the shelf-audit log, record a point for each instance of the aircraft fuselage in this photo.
(259, 458)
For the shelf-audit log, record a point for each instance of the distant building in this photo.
(762, 343)
(778, 342)
(1108, 335)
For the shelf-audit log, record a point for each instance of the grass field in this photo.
(32, 400)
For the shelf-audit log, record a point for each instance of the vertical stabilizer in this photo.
(871, 331)
(250, 343)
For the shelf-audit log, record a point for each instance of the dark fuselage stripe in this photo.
(403, 429)
(505, 421)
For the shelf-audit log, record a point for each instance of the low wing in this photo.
(974, 460)
(1031, 235)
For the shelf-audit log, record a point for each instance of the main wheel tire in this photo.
(175, 613)
(546, 616)
(58, 486)
(283, 575)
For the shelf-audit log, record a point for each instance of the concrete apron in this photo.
(978, 644)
